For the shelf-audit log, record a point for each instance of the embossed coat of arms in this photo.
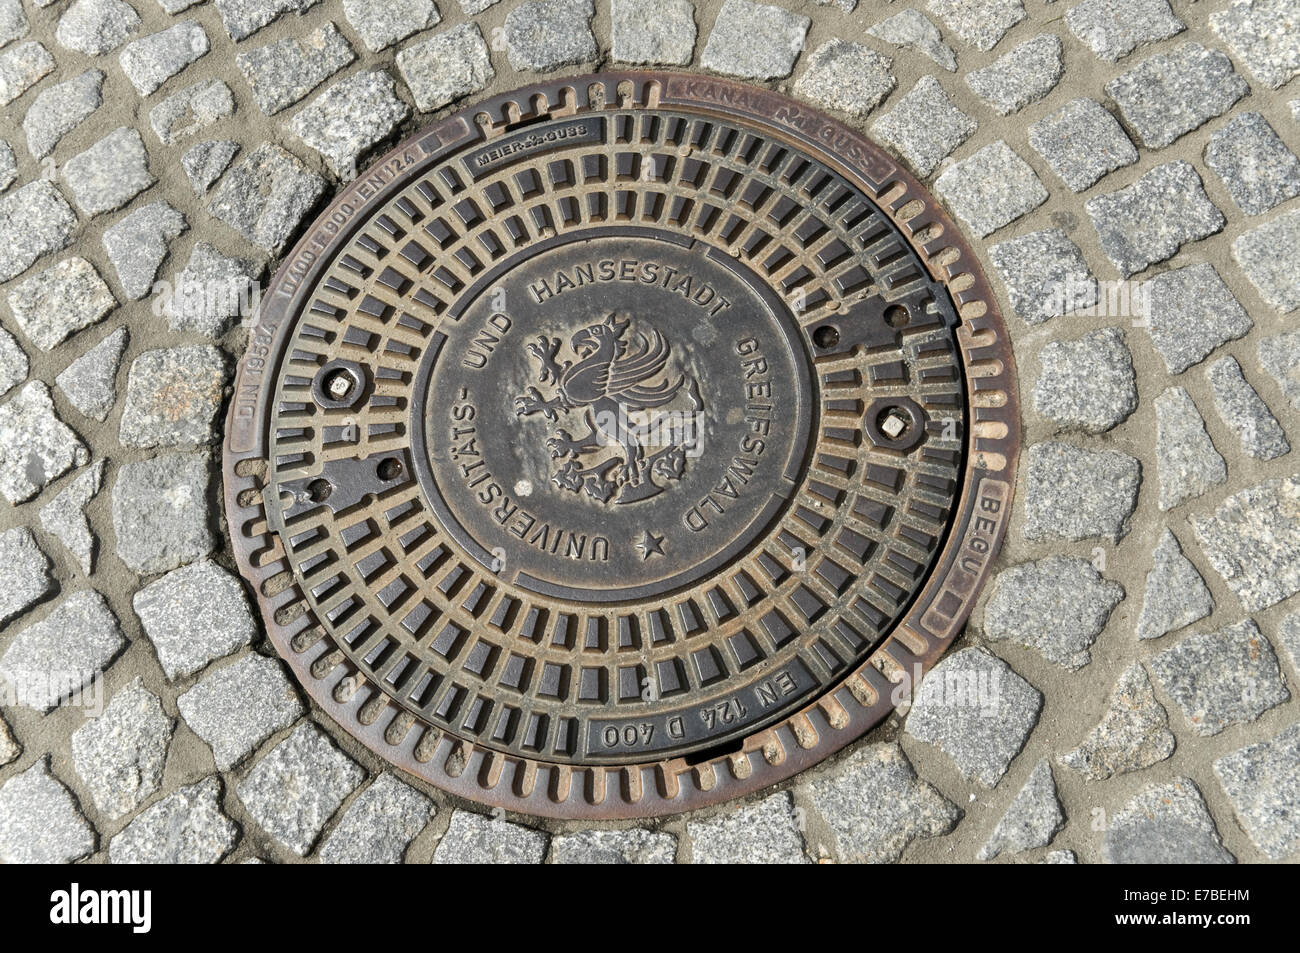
(639, 411)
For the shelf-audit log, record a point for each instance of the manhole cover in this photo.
(612, 450)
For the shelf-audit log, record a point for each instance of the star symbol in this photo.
(651, 544)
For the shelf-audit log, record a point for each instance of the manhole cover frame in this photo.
(863, 697)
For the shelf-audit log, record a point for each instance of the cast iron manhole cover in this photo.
(611, 450)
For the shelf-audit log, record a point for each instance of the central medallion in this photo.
(613, 414)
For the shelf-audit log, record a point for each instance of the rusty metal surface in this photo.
(621, 445)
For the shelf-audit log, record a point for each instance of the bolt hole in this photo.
(827, 336)
(390, 468)
(319, 490)
(896, 316)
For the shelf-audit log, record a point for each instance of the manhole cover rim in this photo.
(859, 700)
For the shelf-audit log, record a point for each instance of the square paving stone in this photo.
(138, 244)
(1088, 384)
(96, 27)
(295, 789)
(40, 822)
(1082, 142)
(1151, 219)
(110, 173)
(875, 805)
(992, 188)
(445, 67)
(1021, 76)
(1244, 412)
(34, 221)
(475, 839)
(543, 35)
(152, 60)
(652, 32)
(630, 846)
(1263, 783)
(1074, 493)
(160, 512)
(1190, 312)
(1254, 163)
(1223, 678)
(1268, 255)
(1263, 34)
(846, 77)
(1045, 275)
(981, 23)
(924, 126)
(173, 396)
(381, 23)
(213, 292)
(1173, 93)
(120, 755)
(766, 832)
(50, 661)
(1253, 542)
(266, 196)
(1114, 28)
(1186, 459)
(350, 118)
(187, 827)
(56, 303)
(378, 825)
(238, 706)
(59, 109)
(21, 68)
(24, 573)
(283, 72)
(36, 447)
(754, 40)
(1165, 824)
(194, 615)
(977, 710)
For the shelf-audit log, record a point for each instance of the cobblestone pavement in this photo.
(1143, 632)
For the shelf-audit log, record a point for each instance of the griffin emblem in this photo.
(625, 452)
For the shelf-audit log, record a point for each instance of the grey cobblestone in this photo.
(64, 517)
(90, 382)
(24, 573)
(1222, 678)
(1151, 219)
(34, 221)
(1175, 594)
(981, 23)
(632, 846)
(1045, 275)
(120, 755)
(1024, 75)
(21, 68)
(266, 195)
(110, 173)
(379, 825)
(875, 805)
(205, 162)
(1263, 34)
(1076, 493)
(446, 67)
(912, 30)
(543, 35)
(349, 118)
(847, 77)
(36, 447)
(58, 656)
(1057, 605)
(238, 706)
(981, 730)
(1173, 93)
(138, 244)
(924, 126)
(381, 23)
(1114, 28)
(96, 27)
(1190, 313)
(152, 60)
(295, 789)
(1032, 820)
(40, 822)
(1267, 253)
(1279, 355)
(56, 303)
(283, 72)
(1165, 824)
(160, 512)
(187, 827)
(992, 188)
(1253, 542)
(10, 749)
(1088, 384)
(243, 18)
(652, 31)
(13, 21)
(1133, 732)
(1254, 163)
(1263, 783)
(192, 616)
(191, 110)
(1244, 412)
(1186, 459)
(476, 839)
(61, 108)
(754, 40)
(172, 397)
(8, 166)
(766, 832)
(13, 363)
(208, 297)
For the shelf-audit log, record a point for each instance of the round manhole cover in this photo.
(621, 445)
